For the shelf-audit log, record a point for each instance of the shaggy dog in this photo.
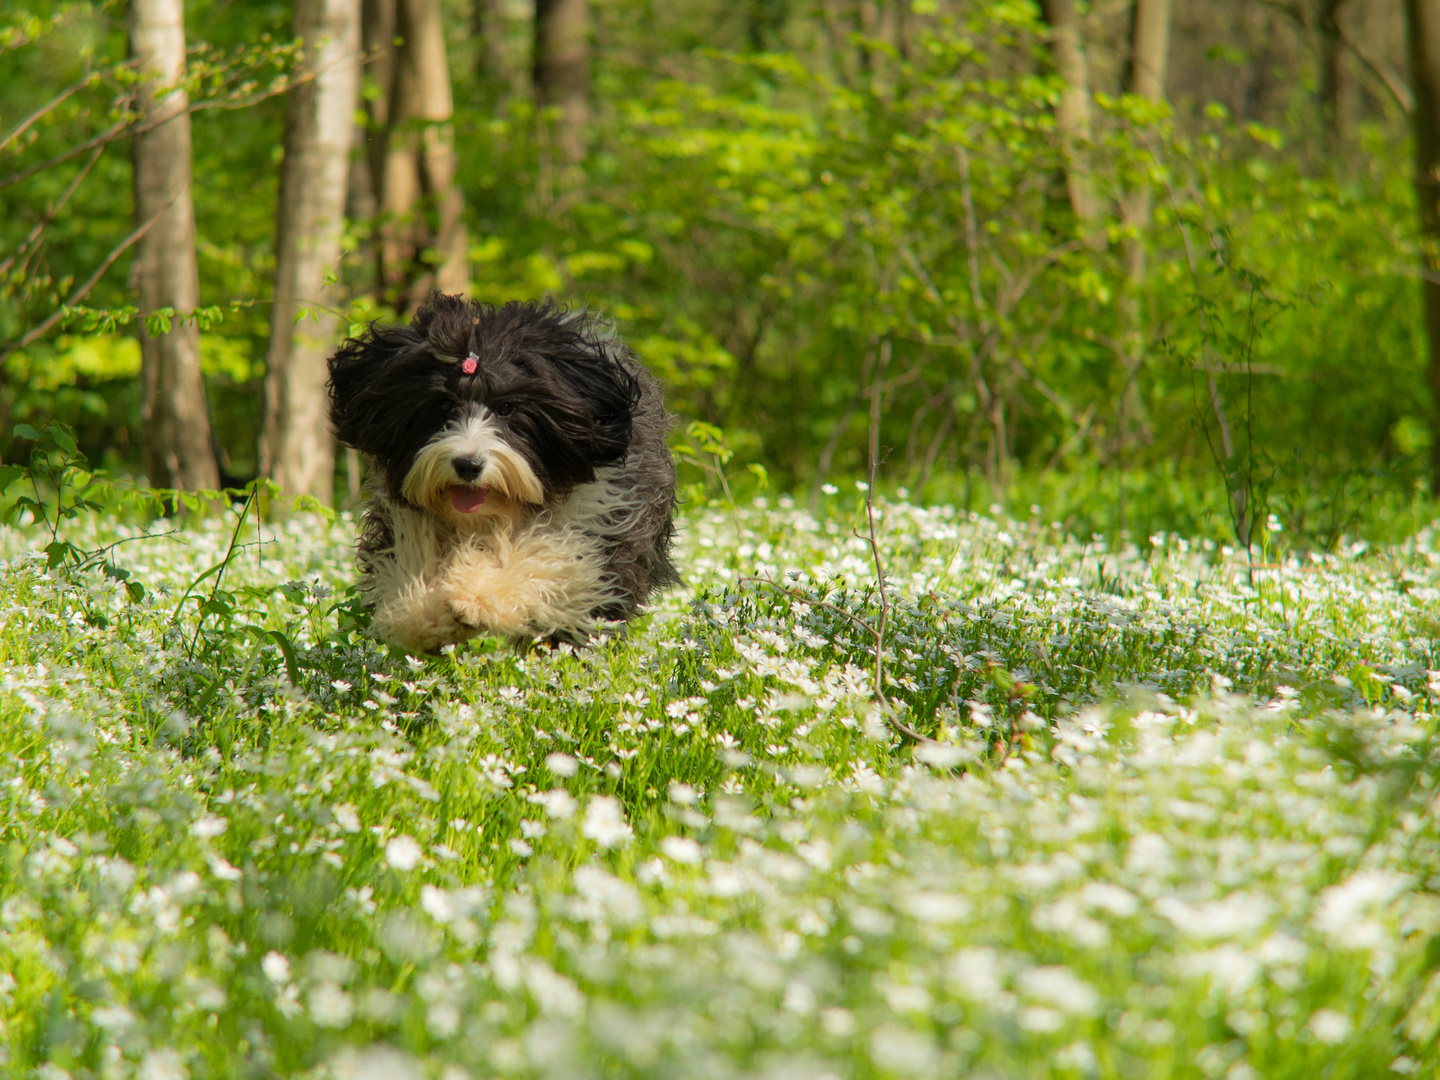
(519, 478)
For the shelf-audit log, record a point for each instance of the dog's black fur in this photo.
(556, 386)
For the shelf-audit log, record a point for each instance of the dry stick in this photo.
(55, 208)
(901, 728)
(125, 129)
(54, 103)
(80, 293)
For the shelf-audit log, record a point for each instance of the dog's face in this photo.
(473, 411)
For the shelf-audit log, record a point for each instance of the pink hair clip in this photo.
(470, 364)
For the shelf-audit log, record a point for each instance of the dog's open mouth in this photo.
(468, 499)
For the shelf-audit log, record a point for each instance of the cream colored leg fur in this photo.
(530, 579)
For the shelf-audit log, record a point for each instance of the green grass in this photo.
(1180, 821)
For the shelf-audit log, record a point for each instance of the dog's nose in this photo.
(467, 468)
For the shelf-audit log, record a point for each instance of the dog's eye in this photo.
(502, 408)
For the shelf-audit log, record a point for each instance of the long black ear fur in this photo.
(357, 400)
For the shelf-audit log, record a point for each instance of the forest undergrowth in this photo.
(1173, 814)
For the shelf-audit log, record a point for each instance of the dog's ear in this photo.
(356, 375)
(591, 391)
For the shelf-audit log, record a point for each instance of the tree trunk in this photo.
(1422, 18)
(1145, 77)
(1145, 73)
(1149, 49)
(562, 70)
(296, 448)
(1332, 71)
(178, 448)
(487, 28)
(1072, 113)
(412, 155)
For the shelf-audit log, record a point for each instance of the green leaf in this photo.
(58, 552)
(136, 591)
(8, 475)
(287, 647)
(63, 437)
(25, 431)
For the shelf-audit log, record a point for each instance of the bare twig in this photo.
(54, 103)
(806, 599)
(124, 129)
(901, 728)
(55, 208)
(84, 290)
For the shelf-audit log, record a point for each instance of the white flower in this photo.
(681, 849)
(113, 1017)
(1330, 1027)
(561, 764)
(975, 973)
(346, 818)
(330, 1006)
(605, 822)
(1237, 915)
(403, 852)
(436, 903)
(209, 826)
(1342, 914)
(442, 1019)
(558, 803)
(377, 1062)
(276, 968)
(936, 907)
(222, 869)
(1059, 986)
(162, 1065)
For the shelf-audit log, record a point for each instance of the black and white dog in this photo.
(520, 482)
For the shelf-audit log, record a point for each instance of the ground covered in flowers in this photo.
(1177, 818)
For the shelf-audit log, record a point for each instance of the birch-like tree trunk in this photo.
(1073, 113)
(412, 154)
(1145, 77)
(297, 450)
(1145, 73)
(1422, 24)
(562, 70)
(178, 448)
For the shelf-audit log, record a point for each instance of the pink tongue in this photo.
(468, 500)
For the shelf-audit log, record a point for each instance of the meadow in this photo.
(1173, 815)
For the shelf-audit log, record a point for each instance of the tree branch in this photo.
(84, 290)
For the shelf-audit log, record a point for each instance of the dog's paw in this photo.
(490, 607)
(419, 620)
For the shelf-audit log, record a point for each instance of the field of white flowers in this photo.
(1179, 819)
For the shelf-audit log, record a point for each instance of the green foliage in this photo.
(799, 238)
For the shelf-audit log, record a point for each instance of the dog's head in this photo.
(474, 410)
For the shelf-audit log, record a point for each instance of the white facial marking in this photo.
(476, 437)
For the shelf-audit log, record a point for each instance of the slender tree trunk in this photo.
(1149, 49)
(1145, 72)
(1072, 113)
(412, 154)
(562, 70)
(1422, 18)
(1332, 71)
(487, 27)
(178, 448)
(296, 447)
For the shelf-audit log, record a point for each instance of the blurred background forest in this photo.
(1145, 266)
